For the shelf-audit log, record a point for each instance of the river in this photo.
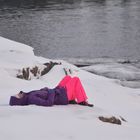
(81, 29)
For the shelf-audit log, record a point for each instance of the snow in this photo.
(127, 74)
(71, 122)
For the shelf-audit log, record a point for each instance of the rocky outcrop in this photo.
(111, 119)
(37, 71)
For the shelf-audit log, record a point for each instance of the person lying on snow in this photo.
(68, 91)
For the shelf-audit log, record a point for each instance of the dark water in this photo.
(74, 28)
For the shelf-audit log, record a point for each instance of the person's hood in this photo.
(16, 101)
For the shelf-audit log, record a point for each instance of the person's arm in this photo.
(34, 99)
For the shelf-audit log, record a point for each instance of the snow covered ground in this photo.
(71, 122)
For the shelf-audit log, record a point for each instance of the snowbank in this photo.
(63, 122)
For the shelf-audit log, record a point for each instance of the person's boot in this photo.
(84, 103)
(72, 102)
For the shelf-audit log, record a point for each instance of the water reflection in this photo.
(74, 28)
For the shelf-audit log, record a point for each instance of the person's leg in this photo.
(64, 81)
(75, 90)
